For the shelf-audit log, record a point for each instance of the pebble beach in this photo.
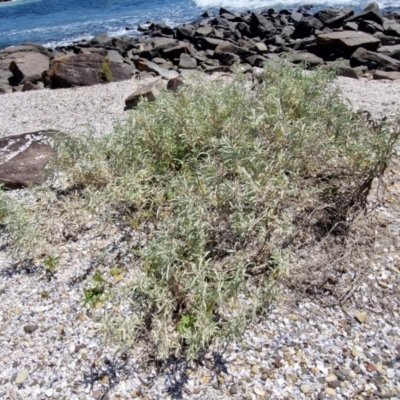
(49, 342)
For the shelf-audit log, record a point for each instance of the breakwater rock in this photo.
(367, 43)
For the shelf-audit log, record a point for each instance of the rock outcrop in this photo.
(369, 39)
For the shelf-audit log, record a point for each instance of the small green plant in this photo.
(93, 295)
(116, 272)
(106, 73)
(98, 278)
(51, 263)
(186, 324)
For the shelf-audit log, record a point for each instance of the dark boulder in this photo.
(227, 47)
(228, 58)
(374, 60)
(331, 17)
(261, 26)
(150, 91)
(391, 51)
(307, 27)
(371, 13)
(175, 52)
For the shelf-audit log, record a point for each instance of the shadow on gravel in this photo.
(175, 371)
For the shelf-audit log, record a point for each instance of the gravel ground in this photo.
(300, 350)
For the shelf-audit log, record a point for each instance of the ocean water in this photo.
(58, 22)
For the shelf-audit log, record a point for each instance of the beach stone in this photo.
(23, 158)
(330, 392)
(21, 378)
(151, 91)
(390, 75)
(347, 41)
(305, 388)
(233, 390)
(258, 390)
(255, 369)
(362, 317)
(84, 70)
(30, 328)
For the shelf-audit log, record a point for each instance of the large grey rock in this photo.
(185, 32)
(18, 53)
(387, 40)
(347, 41)
(298, 57)
(390, 75)
(115, 56)
(28, 66)
(175, 52)
(210, 43)
(374, 60)
(84, 70)
(331, 17)
(160, 43)
(187, 62)
(228, 47)
(150, 91)
(144, 65)
(205, 31)
(86, 50)
(102, 40)
(391, 51)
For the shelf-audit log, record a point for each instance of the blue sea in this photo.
(58, 22)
